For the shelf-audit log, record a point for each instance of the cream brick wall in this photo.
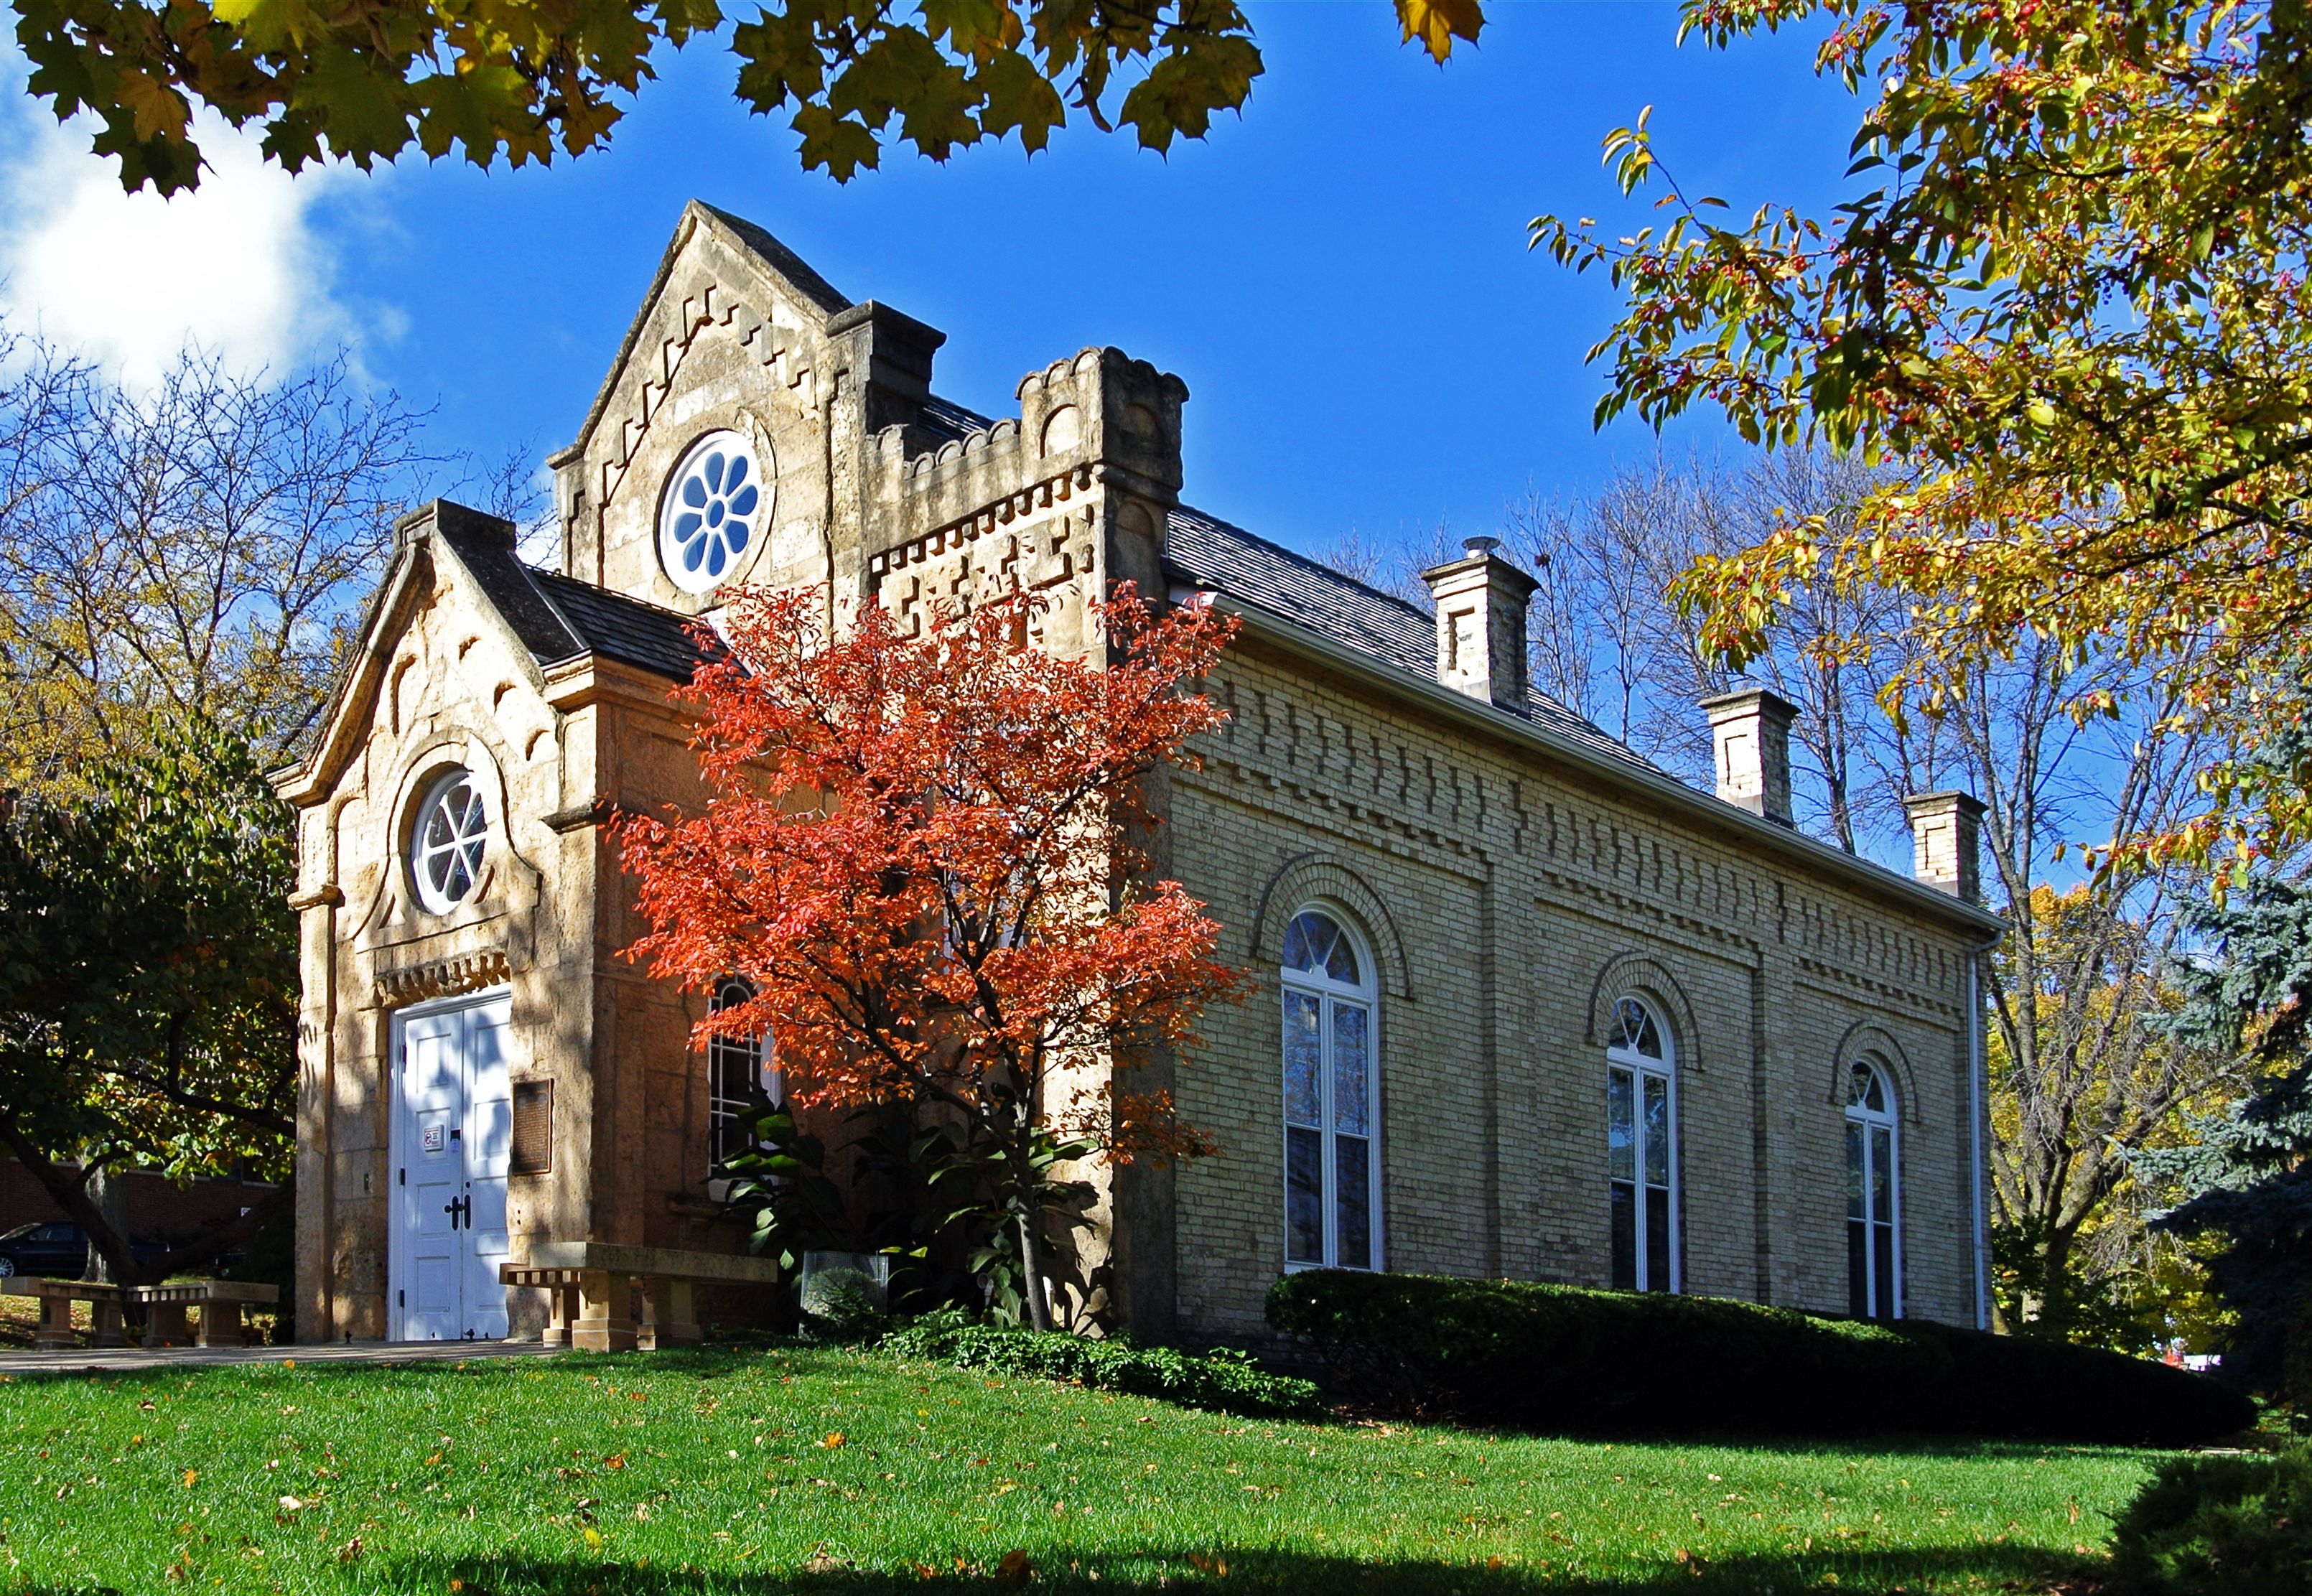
(1515, 898)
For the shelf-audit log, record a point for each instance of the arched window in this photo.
(1874, 1243)
(1641, 1150)
(1332, 1151)
(446, 842)
(736, 1068)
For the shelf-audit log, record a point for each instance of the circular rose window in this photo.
(445, 847)
(716, 503)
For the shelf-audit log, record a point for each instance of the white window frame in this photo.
(1890, 1120)
(1331, 994)
(671, 508)
(1664, 1069)
(415, 853)
(730, 992)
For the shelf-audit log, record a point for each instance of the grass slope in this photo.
(807, 1471)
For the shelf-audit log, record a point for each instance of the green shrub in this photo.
(2230, 1526)
(1562, 1357)
(1230, 1381)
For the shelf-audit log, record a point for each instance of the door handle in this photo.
(460, 1207)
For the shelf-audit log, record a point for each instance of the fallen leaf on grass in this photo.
(351, 1551)
(1015, 1568)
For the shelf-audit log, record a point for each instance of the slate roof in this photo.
(558, 618)
(484, 545)
(624, 629)
(1213, 554)
(789, 265)
(951, 422)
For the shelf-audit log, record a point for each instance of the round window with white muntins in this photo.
(715, 504)
(445, 845)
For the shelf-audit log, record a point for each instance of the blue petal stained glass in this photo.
(710, 515)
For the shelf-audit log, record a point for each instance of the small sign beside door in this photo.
(437, 1136)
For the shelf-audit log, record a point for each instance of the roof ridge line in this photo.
(532, 572)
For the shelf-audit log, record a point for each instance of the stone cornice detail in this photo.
(981, 522)
(442, 978)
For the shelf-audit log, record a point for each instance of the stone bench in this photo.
(107, 1326)
(590, 1287)
(221, 1302)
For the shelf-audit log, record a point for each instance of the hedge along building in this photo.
(1523, 1005)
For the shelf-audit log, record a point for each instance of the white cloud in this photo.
(129, 280)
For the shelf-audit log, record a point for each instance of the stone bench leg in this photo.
(669, 1318)
(673, 1320)
(165, 1326)
(108, 1325)
(561, 1309)
(55, 1328)
(604, 1304)
(220, 1324)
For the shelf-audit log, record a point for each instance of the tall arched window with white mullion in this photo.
(737, 1069)
(1332, 1145)
(1874, 1194)
(1642, 1149)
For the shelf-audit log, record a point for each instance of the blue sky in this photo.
(1341, 276)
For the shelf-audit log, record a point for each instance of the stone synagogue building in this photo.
(1523, 1005)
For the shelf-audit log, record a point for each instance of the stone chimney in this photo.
(1481, 644)
(1750, 737)
(1947, 842)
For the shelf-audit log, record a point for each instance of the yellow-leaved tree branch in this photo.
(2067, 303)
(533, 79)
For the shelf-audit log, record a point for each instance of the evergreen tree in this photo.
(2246, 1181)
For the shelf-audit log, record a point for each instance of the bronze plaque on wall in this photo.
(533, 1128)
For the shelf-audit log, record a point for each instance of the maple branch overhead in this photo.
(532, 82)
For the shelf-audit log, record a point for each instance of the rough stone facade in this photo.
(1508, 870)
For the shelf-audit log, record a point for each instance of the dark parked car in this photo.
(58, 1250)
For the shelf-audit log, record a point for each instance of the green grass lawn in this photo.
(819, 1470)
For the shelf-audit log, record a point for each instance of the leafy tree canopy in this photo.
(529, 80)
(2068, 299)
(148, 975)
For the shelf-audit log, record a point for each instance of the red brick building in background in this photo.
(158, 1209)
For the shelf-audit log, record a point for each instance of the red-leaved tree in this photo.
(924, 853)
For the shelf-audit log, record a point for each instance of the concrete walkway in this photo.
(136, 1360)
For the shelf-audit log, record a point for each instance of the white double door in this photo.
(452, 1131)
